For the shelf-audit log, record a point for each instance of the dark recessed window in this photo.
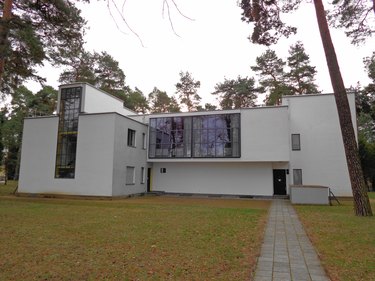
(163, 170)
(131, 137)
(296, 142)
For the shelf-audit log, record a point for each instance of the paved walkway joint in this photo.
(287, 253)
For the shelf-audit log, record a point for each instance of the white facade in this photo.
(101, 160)
(322, 156)
(106, 165)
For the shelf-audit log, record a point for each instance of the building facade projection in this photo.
(70, 104)
(204, 136)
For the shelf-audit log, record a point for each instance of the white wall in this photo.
(98, 101)
(214, 178)
(322, 157)
(38, 155)
(264, 134)
(128, 156)
(94, 163)
(94, 160)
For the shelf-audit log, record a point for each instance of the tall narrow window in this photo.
(130, 175)
(297, 176)
(143, 140)
(131, 137)
(70, 103)
(143, 175)
(296, 142)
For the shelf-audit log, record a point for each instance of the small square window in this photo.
(131, 137)
(130, 175)
(297, 176)
(163, 170)
(296, 142)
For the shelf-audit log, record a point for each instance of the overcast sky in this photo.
(212, 46)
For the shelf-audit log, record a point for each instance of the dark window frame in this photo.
(175, 137)
(67, 135)
(131, 138)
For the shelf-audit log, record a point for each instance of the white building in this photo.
(96, 147)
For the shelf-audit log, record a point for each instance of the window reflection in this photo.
(67, 133)
(197, 136)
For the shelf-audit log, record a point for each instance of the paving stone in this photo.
(287, 253)
(281, 276)
(319, 278)
(262, 278)
(264, 273)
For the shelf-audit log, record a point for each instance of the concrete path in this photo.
(287, 253)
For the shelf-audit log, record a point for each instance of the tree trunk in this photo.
(362, 205)
(4, 31)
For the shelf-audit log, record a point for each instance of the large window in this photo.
(170, 137)
(195, 136)
(70, 103)
(216, 135)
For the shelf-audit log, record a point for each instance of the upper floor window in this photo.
(201, 136)
(70, 103)
(296, 142)
(131, 137)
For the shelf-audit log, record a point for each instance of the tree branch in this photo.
(124, 19)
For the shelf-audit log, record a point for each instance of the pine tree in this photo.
(187, 91)
(301, 75)
(32, 32)
(237, 93)
(160, 102)
(270, 69)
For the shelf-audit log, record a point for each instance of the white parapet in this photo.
(309, 194)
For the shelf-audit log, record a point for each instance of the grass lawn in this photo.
(145, 238)
(346, 243)
(8, 189)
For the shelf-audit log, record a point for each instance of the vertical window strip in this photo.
(143, 175)
(70, 101)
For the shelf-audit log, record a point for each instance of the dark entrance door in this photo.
(148, 179)
(279, 182)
